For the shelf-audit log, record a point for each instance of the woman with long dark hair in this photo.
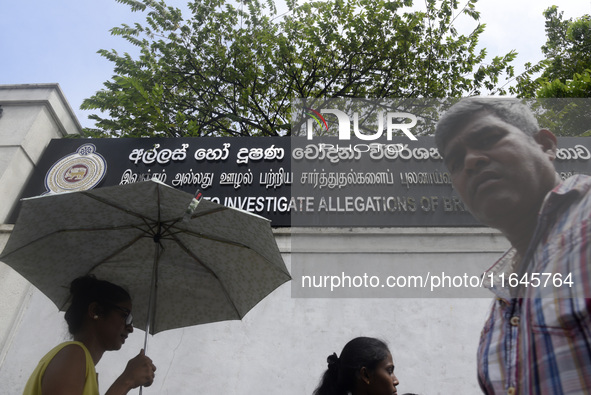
(99, 319)
(364, 367)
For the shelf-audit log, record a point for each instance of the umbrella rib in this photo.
(221, 240)
(152, 230)
(117, 252)
(45, 236)
(165, 228)
(198, 214)
(217, 239)
(213, 211)
(112, 204)
(190, 253)
(212, 238)
(100, 263)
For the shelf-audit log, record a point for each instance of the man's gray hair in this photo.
(510, 110)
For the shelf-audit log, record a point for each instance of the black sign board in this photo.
(291, 181)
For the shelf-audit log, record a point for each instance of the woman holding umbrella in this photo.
(99, 319)
(364, 367)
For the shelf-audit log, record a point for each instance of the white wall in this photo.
(32, 115)
(281, 346)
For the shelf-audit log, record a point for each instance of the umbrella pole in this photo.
(152, 299)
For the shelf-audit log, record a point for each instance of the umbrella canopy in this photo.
(211, 265)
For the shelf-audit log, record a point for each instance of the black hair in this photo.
(86, 290)
(342, 372)
(510, 110)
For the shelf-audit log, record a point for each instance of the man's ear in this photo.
(547, 141)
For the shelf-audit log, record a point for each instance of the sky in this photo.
(57, 41)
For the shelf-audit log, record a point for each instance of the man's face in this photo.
(499, 172)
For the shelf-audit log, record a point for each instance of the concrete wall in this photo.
(31, 116)
(281, 346)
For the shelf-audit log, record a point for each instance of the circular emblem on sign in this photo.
(79, 171)
(76, 173)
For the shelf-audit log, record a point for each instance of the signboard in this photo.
(292, 181)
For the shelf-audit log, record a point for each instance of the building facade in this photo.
(281, 346)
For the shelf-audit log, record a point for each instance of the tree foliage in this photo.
(233, 68)
(564, 76)
(566, 69)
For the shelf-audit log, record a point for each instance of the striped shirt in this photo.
(540, 343)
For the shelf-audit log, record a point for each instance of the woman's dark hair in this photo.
(342, 371)
(86, 290)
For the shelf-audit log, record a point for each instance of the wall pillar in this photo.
(30, 116)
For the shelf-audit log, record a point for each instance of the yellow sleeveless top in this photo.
(33, 386)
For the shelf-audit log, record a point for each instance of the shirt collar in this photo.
(573, 186)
